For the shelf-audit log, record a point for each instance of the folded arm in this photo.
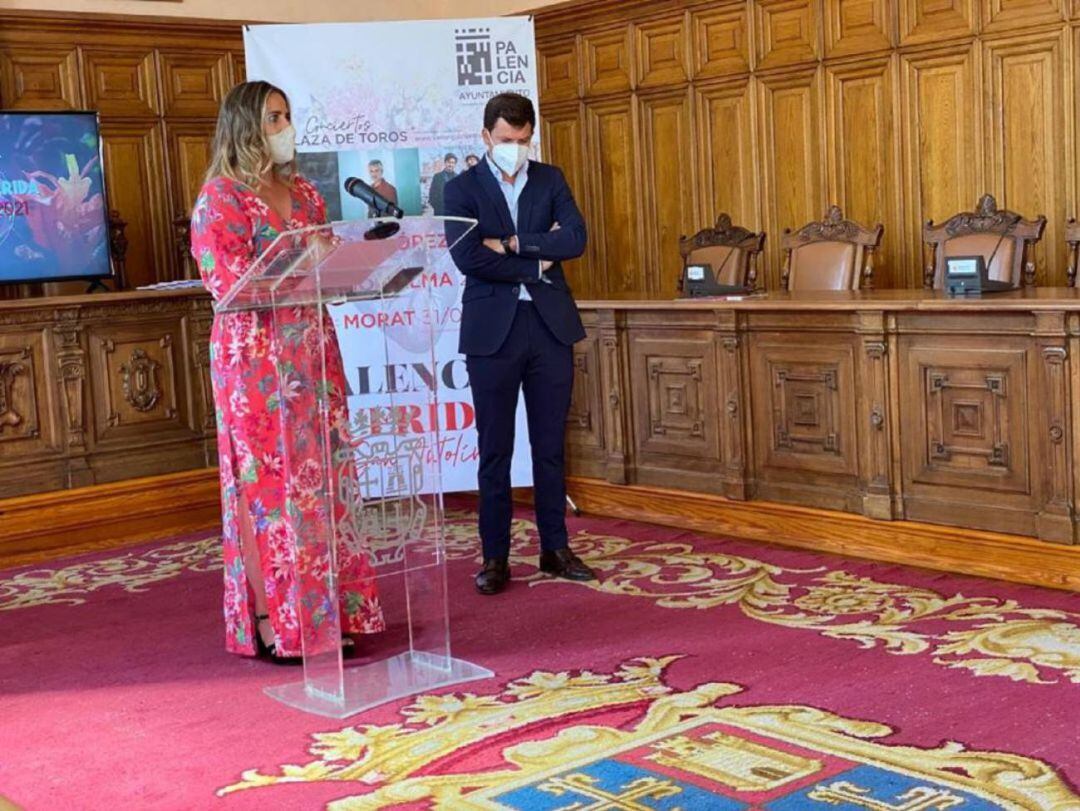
(564, 243)
(470, 254)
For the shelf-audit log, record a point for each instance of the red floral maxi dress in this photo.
(230, 227)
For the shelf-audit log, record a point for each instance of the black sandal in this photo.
(269, 652)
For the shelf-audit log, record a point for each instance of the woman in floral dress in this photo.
(271, 480)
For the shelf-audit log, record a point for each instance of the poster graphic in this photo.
(400, 106)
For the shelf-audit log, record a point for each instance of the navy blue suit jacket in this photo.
(492, 282)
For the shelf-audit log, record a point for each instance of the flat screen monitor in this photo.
(54, 221)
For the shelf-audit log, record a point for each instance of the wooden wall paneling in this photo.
(941, 107)
(612, 157)
(120, 82)
(558, 73)
(663, 52)
(189, 150)
(674, 407)
(608, 61)
(667, 185)
(194, 83)
(863, 144)
(563, 142)
(1052, 429)
(728, 154)
(787, 32)
(966, 409)
(40, 77)
(803, 398)
(936, 21)
(615, 394)
(1002, 16)
(858, 27)
(134, 169)
(721, 38)
(585, 421)
(874, 426)
(239, 68)
(139, 381)
(30, 440)
(734, 402)
(793, 167)
(1030, 136)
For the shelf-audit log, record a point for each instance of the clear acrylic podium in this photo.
(368, 483)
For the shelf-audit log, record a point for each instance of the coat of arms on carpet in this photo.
(628, 741)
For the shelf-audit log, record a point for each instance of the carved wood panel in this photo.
(139, 382)
(564, 145)
(865, 175)
(558, 70)
(942, 153)
(120, 82)
(968, 407)
(608, 61)
(727, 170)
(1025, 79)
(662, 53)
(788, 32)
(39, 78)
(857, 27)
(585, 422)
(612, 158)
(793, 160)
(803, 407)
(27, 424)
(668, 200)
(193, 83)
(674, 402)
(721, 41)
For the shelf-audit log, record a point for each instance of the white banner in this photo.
(400, 105)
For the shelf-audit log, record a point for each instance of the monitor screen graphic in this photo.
(53, 217)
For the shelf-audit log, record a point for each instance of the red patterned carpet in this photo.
(700, 673)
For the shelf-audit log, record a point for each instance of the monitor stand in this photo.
(97, 283)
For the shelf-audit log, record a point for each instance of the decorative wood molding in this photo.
(107, 516)
(983, 554)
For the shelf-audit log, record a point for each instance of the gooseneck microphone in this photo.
(379, 204)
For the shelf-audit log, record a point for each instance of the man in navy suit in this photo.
(519, 323)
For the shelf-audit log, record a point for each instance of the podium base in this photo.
(377, 683)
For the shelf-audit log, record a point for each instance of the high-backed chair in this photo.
(1003, 238)
(730, 250)
(1072, 237)
(833, 254)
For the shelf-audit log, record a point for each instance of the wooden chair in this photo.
(730, 250)
(1004, 239)
(1072, 237)
(833, 254)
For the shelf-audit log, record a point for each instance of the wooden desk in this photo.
(102, 388)
(893, 404)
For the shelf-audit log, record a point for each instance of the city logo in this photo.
(483, 60)
(474, 65)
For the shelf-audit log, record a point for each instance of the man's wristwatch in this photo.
(506, 244)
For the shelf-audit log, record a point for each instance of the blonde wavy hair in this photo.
(241, 150)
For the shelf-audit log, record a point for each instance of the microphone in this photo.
(362, 191)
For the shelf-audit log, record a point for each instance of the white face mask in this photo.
(509, 157)
(283, 145)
